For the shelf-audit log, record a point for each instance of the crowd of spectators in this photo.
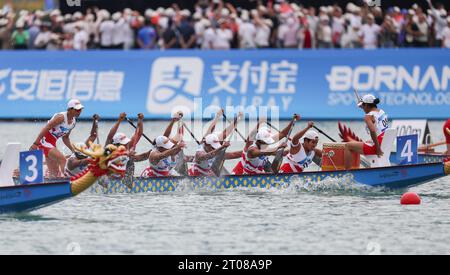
(216, 24)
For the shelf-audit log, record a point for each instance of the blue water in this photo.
(332, 218)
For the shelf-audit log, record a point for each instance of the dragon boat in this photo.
(394, 177)
(21, 198)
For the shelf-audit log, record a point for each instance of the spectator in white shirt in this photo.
(337, 26)
(369, 33)
(247, 33)
(43, 38)
(80, 39)
(208, 36)
(440, 22)
(106, 31)
(324, 33)
(446, 35)
(118, 39)
(223, 36)
(290, 36)
(262, 36)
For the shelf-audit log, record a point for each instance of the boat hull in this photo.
(397, 177)
(21, 198)
(422, 158)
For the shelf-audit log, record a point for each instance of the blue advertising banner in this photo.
(410, 83)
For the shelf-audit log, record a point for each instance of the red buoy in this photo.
(410, 198)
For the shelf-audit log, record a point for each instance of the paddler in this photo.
(163, 158)
(78, 161)
(255, 158)
(376, 123)
(210, 147)
(302, 154)
(118, 139)
(59, 126)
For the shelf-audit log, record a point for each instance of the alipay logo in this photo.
(174, 83)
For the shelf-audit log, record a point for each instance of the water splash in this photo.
(328, 186)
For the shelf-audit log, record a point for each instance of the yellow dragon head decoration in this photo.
(105, 160)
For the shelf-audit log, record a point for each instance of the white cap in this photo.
(197, 16)
(368, 99)
(77, 15)
(149, 13)
(116, 16)
(264, 136)
(311, 134)
(268, 22)
(324, 18)
(185, 13)
(121, 138)
(213, 140)
(3, 22)
(20, 24)
(75, 104)
(55, 13)
(164, 142)
(443, 13)
(225, 12)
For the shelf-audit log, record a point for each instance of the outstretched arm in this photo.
(232, 127)
(216, 119)
(299, 135)
(94, 130)
(139, 131)
(114, 129)
(233, 155)
(256, 153)
(202, 156)
(156, 156)
(285, 131)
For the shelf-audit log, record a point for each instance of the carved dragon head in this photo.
(105, 160)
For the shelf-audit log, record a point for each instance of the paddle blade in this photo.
(181, 167)
(218, 163)
(276, 164)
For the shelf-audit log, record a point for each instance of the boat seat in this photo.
(386, 146)
(9, 164)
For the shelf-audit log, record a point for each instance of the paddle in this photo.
(358, 97)
(425, 147)
(181, 166)
(325, 134)
(276, 164)
(145, 136)
(220, 158)
(235, 129)
(96, 117)
(190, 132)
